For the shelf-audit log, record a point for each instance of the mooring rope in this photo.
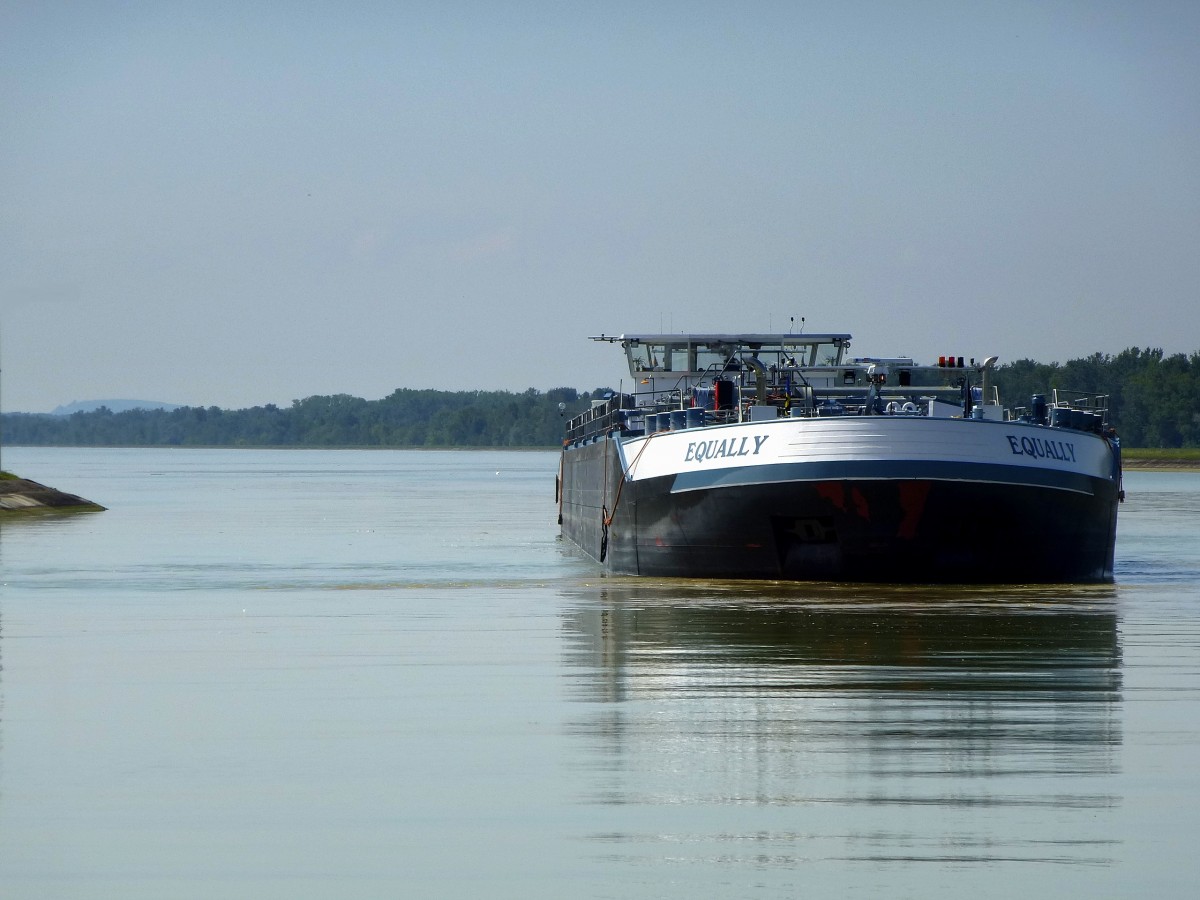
(606, 517)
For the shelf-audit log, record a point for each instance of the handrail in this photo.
(1085, 400)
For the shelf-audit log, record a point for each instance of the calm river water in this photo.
(375, 674)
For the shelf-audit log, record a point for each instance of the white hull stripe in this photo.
(886, 470)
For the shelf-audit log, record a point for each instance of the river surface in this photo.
(379, 674)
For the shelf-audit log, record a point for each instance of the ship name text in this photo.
(699, 451)
(1042, 448)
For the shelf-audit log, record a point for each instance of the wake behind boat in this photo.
(776, 456)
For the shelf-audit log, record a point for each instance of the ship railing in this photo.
(633, 414)
(1085, 401)
(629, 414)
(597, 420)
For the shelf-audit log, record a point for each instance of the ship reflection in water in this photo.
(810, 724)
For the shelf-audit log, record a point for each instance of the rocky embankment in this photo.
(23, 495)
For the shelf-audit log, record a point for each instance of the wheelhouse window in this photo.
(711, 357)
(657, 357)
(825, 354)
(714, 357)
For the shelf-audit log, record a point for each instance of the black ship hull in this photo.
(909, 527)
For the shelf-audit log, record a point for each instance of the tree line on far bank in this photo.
(405, 418)
(1154, 401)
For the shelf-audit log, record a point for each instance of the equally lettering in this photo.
(1042, 448)
(699, 451)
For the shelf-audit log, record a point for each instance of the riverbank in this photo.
(1183, 459)
(19, 495)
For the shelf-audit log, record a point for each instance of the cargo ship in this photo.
(780, 456)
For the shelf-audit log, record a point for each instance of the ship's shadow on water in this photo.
(859, 698)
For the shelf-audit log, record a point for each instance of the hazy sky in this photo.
(242, 203)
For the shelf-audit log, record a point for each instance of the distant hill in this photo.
(113, 405)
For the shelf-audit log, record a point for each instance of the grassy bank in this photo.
(1151, 458)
